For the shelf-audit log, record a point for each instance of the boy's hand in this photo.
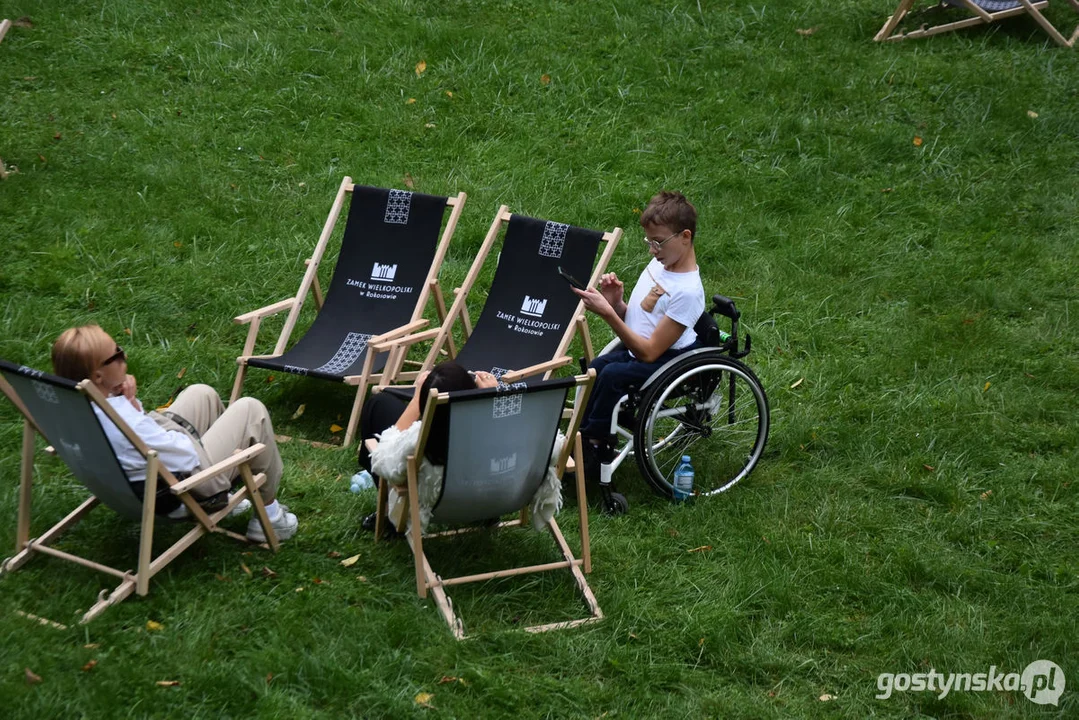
(596, 302)
(611, 288)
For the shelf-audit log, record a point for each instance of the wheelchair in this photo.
(704, 403)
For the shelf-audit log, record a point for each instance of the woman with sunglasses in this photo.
(654, 326)
(195, 432)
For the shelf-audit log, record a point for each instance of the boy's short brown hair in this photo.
(74, 352)
(670, 209)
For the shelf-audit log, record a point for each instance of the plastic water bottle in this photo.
(683, 480)
(361, 481)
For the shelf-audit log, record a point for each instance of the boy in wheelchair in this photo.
(655, 325)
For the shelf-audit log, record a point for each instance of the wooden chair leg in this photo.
(380, 508)
(582, 503)
(26, 478)
(238, 383)
(260, 507)
(146, 537)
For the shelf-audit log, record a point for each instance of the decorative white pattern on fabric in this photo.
(554, 239)
(351, 348)
(295, 369)
(397, 207)
(503, 387)
(507, 406)
(46, 392)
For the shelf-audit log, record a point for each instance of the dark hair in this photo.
(671, 210)
(445, 377)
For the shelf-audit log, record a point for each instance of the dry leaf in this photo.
(89, 666)
(32, 678)
(180, 375)
(335, 428)
(41, 158)
(267, 572)
(92, 646)
(545, 79)
(702, 548)
(221, 578)
(316, 581)
(672, 532)
(887, 190)
(449, 93)
(299, 411)
(424, 699)
(633, 636)
(246, 569)
(806, 32)
(428, 125)
(333, 553)
(917, 141)
(447, 679)
(269, 379)
(299, 589)
(350, 561)
(826, 697)
(700, 643)
(57, 136)
(421, 68)
(636, 211)
(1031, 114)
(766, 540)
(269, 677)
(127, 331)
(410, 101)
(154, 626)
(411, 185)
(929, 468)
(23, 22)
(167, 683)
(987, 384)
(797, 383)
(986, 495)
(361, 578)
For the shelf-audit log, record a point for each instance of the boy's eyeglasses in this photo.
(118, 355)
(656, 245)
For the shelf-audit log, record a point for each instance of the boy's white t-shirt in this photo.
(682, 301)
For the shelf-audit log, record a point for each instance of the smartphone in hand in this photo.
(570, 279)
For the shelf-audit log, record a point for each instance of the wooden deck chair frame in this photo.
(428, 580)
(147, 565)
(443, 336)
(981, 16)
(310, 283)
(5, 25)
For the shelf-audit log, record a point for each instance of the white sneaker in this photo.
(284, 527)
(241, 507)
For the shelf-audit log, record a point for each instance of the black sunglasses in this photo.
(118, 355)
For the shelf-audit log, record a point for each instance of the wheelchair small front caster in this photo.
(615, 504)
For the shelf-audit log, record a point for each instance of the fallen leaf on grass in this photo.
(766, 540)
(92, 646)
(41, 158)
(318, 581)
(269, 379)
(269, 677)
(177, 244)
(168, 683)
(702, 548)
(335, 428)
(411, 185)
(1031, 114)
(32, 678)
(89, 666)
(424, 699)
(246, 569)
(428, 125)
(826, 697)
(57, 136)
(986, 495)
(299, 589)
(700, 643)
(672, 532)
(299, 411)
(449, 93)
(797, 382)
(887, 190)
(268, 573)
(350, 561)
(448, 679)
(929, 468)
(24, 22)
(421, 68)
(180, 375)
(361, 578)
(221, 578)
(986, 387)
(333, 554)
(410, 101)
(545, 79)
(917, 141)
(154, 626)
(127, 331)
(633, 636)
(805, 32)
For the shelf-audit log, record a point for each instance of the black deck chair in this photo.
(62, 412)
(982, 12)
(386, 272)
(500, 441)
(531, 314)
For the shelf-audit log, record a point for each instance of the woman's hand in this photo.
(419, 379)
(485, 379)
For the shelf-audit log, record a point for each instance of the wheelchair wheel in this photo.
(710, 407)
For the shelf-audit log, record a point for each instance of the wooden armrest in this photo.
(406, 340)
(264, 311)
(512, 377)
(398, 332)
(239, 458)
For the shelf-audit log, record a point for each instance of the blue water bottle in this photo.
(683, 480)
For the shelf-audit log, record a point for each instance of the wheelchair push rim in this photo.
(689, 411)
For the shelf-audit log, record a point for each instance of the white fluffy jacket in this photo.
(390, 462)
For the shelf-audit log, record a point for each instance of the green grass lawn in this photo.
(897, 223)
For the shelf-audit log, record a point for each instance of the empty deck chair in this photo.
(386, 272)
(531, 314)
(982, 12)
(62, 412)
(500, 442)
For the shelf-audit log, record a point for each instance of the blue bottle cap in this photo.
(685, 458)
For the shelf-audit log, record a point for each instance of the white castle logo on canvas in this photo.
(533, 306)
(503, 465)
(383, 272)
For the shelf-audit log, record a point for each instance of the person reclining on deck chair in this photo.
(195, 432)
(654, 326)
(397, 426)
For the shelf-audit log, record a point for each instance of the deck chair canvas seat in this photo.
(981, 12)
(500, 443)
(386, 271)
(62, 412)
(531, 314)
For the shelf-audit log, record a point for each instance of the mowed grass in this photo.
(897, 224)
